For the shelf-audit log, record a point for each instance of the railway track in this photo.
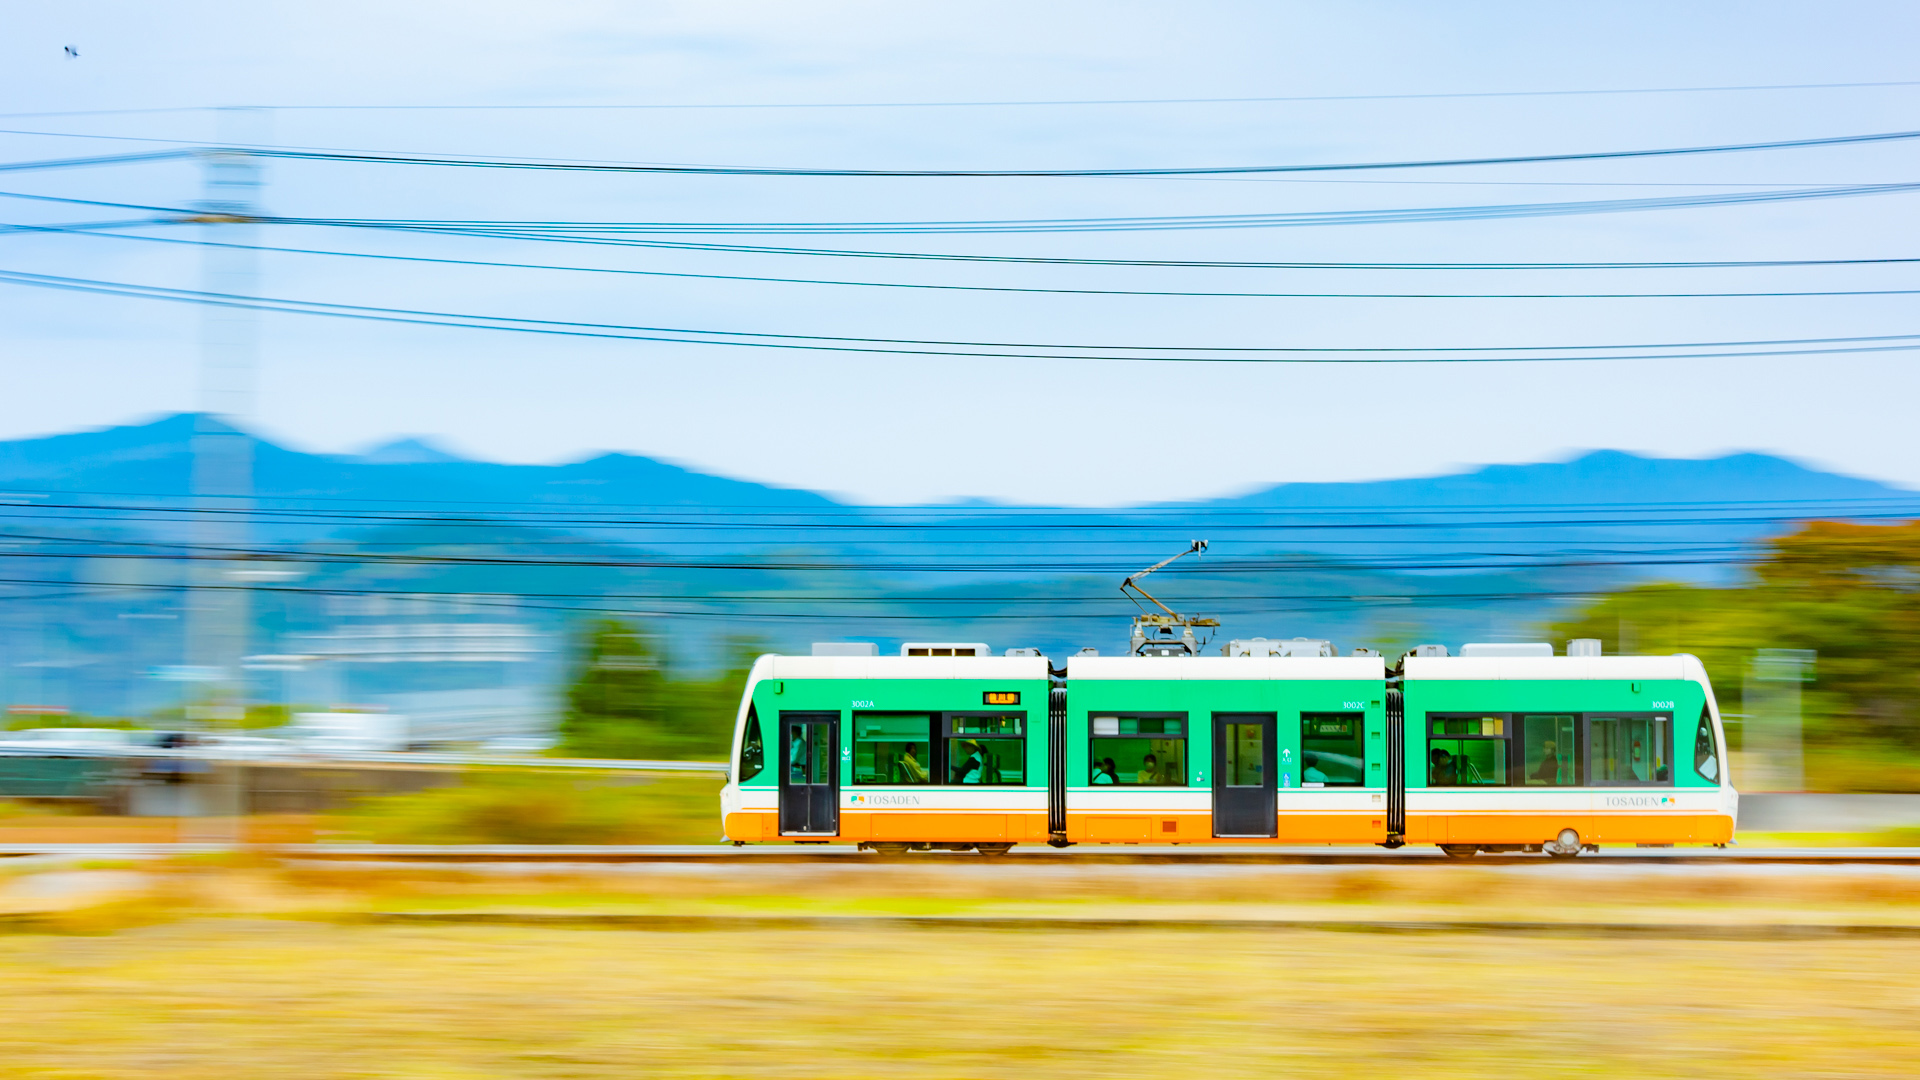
(847, 854)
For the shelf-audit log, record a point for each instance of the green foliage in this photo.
(1720, 626)
(257, 718)
(26, 721)
(1849, 592)
(623, 700)
(541, 807)
(261, 717)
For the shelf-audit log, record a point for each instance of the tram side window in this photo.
(1246, 755)
(1138, 750)
(1467, 751)
(1706, 752)
(1630, 749)
(892, 748)
(753, 751)
(987, 749)
(1331, 749)
(1548, 748)
(810, 754)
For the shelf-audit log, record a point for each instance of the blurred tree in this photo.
(1852, 592)
(623, 701)
(271, 716)
(1849, 592)
(23, 721)
(615, 702)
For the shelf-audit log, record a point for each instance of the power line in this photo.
(861, 549)
(1296, 563)
(989, 350)
(547, 165)
(1182, 264)
(1311, 218)
(1794, 507)
(517, 601)
(884, 519)
(869, 562)
(1696, 264)
(1159, 223)
(559, 165)
(93, 230)
(89, 162)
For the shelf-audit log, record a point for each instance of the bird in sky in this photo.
(72, 53)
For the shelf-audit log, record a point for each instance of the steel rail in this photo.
(719, 854)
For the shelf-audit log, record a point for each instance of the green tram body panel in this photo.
(1201, 699)
(771, 697)
(1683, 699)
(1607, 730)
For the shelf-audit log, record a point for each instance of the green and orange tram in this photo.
(1498, 747)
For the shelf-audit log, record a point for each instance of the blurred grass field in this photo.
(517, 806)
(247, 965)
(299, 999)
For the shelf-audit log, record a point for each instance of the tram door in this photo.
(1243, 775)
(809, 774)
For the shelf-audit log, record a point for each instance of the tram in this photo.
(1500, 747)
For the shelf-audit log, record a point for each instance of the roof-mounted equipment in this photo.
(945, 648)
(1507, 648)
(1268, 647)
(1168, 634)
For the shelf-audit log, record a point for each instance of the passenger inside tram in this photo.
(1548, 771)
(908, 770)
(1441, 770)
(1104, 773)
(972, 768)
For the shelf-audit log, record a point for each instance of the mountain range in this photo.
(103, 530)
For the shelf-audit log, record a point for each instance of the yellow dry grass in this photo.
(298, 999)
(966, 886)
(259, 884)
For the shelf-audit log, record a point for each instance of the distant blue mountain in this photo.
(408, 451)
(1675, 517)
(156, 459)
(1479, 553)
(1601, 478)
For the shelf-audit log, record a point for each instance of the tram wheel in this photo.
(1460, 851)
(1564, 846)
(994, 849)
(889, 851)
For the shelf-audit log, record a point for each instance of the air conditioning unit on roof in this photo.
(1507, 648)
(945, 648)
(1273, 647)
(845, 648)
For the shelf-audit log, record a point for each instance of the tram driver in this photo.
(972, 769)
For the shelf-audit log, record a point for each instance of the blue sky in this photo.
(914, 429)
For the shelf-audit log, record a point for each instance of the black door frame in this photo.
(1246, 811)
(810, 808)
